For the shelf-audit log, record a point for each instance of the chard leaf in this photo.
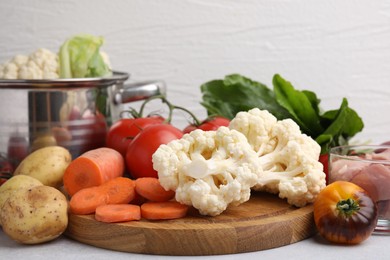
(236, 93)
(299, 105)
(315, 102)
(343, 124)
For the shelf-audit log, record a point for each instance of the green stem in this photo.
(171, 107)
(347, 207)
(196, 120)
(134, 113)
(141, 110)
(164, 100)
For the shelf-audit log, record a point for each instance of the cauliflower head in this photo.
(208, 170)
(41, 64)
(256, 125)
(288, 158)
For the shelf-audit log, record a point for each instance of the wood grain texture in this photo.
(264, 222)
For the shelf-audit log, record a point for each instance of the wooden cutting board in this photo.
(264, 222)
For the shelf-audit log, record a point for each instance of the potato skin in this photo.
(35, 215)
(15, 183)
(47, 164)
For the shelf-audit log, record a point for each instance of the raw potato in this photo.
(47, 164)
(35, 215)
(43, 141)
(15, 183)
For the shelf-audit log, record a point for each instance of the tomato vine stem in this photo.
(171, 108)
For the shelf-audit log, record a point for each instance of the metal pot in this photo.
(73, 113)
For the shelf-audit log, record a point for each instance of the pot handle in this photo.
(138, 91)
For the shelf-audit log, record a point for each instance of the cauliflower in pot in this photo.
(41, 64)
(209, 170)
(79, 57)
(288, 158)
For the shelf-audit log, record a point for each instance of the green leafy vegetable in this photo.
(80, 57)
(237, 93)
(298, 105)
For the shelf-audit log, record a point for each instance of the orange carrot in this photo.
(137, 200)
(93, 168)
(163, 210)
(151, 189)
(85, 201)
(120, 190)
(117, 213)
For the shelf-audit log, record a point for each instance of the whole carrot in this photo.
(93, 168)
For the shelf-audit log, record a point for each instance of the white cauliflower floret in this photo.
(30, 71)
(208, 170)
(41, 64)
(256, 125)
(291, 169)
(10, 70)
(20, 60)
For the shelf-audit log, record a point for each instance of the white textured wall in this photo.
(335, 48)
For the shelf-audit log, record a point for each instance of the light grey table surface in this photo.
(376, 247)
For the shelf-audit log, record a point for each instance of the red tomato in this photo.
(345, 213)
(189, 129)
(18, 148)
(324, 160)
(97, 127)
(122, 132)
(208, 124)
(62, 135)
(6, 169)
(88, 129)
(140, 150)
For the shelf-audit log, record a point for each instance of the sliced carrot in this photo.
(151, 189)
(117, 213)
(120, 190)
(163, 210)
(93, 168)
(137, 200)
(86, 201)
